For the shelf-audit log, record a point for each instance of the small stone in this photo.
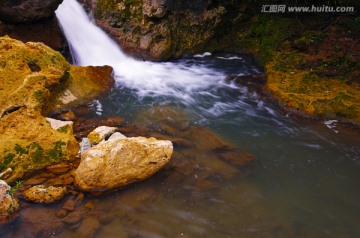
(69, 204)
(89, 205)
(45, 194)
(80, 197)
(62, 213)
(67, 116)
(100, 133)
(72, 218)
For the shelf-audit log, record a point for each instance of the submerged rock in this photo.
(44, 194)
(118, 163)
(8, 205)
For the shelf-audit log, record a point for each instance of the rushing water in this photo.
(305, 179)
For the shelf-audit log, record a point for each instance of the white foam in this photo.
(91, 46)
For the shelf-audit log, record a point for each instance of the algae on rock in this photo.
(31, 75)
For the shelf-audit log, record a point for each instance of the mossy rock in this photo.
(28, 72)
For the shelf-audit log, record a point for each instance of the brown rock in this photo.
(44, 194)
(83, 85)
(237, 158)
(70, 204)
(72, 218)
(88, 227)
(67, 116)
(35, 181)
(118, 163)
(205, 139)
(62, 213)
(28, 10)
(59, 168)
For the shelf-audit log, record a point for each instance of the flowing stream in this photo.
(305, 181)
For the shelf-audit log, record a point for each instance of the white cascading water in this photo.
(91, 46)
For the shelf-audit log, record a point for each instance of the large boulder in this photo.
(118, 163)
(25, 11)
(8, 205)
(31, 75)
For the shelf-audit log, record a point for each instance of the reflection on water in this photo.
(304, 182)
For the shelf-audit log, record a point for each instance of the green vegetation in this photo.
(35, 152)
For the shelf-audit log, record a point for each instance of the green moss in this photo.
(40, 96)
(31, 154)
(63, 130)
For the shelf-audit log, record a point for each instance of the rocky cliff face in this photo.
(160, 29)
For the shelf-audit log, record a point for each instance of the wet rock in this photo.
(88, 227)
(67, 116)
(46, 31)
(118, 163)
(237, 158)
(8, 204)
(154, 8)
(83, 84)
(159, 29)
(62, 213)
(6, 173)
(83, 126)
(59, 168)
(70, 203)
(72, 218)
(45, 194)
(205, 139)
(35, 181)
(27, 10)
(100, 133)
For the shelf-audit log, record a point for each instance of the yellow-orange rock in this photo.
(118, 163)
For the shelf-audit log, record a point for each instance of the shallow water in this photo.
(304, 182)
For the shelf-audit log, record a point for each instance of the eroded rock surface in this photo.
(159, 29)
(118, 163)
(44, 194)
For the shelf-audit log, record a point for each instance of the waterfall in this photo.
(91, 46)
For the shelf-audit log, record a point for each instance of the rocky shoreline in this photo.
(315, 73)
